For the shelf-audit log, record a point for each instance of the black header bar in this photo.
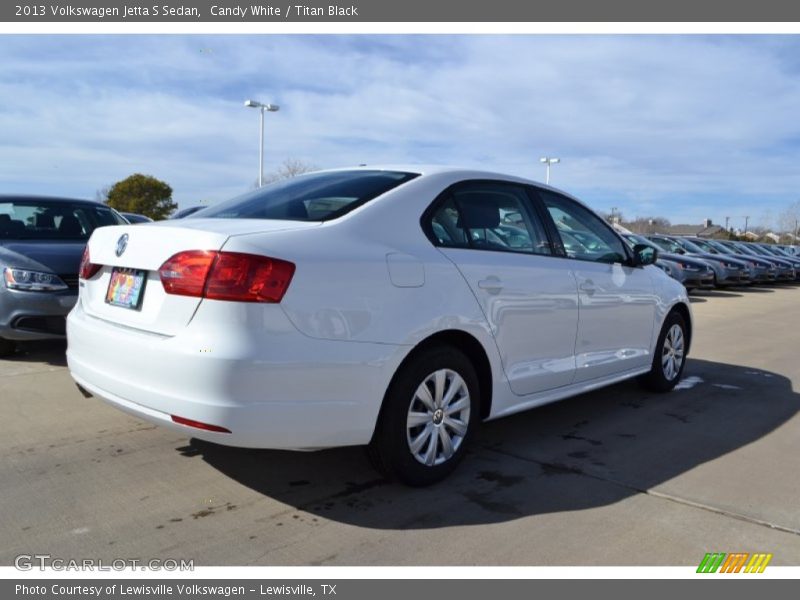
(459, 11)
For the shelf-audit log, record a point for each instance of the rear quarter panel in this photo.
(342, 289)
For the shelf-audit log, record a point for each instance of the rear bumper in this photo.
(34, 315)
(270, 386)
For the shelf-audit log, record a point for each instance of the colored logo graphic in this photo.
(737, 562)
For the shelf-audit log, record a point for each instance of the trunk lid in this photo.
(147, 247)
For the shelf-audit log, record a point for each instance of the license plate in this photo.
(126, 288)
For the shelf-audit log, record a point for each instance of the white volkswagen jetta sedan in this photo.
(394, 307)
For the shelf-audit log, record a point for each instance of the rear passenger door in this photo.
(496, 238)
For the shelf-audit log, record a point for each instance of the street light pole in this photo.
(261, 149)
(746, 219)
(262, 109)
(548, 161)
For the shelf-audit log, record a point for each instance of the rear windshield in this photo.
(28, 219)
(311, 197)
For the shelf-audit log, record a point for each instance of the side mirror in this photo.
(644, 255)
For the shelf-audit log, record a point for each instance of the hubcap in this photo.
(438, 417)
(672, 354)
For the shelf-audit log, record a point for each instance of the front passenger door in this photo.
(617, 302)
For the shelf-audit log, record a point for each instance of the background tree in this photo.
(789, 220)
(615, 216)
(142, 194)
(101, 195)
(648, 224)
(766, 221)
(291, 167)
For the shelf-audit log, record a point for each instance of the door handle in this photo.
(588, 287)
(491, 284)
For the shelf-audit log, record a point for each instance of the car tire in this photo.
(428, 417)
(669, 357)
(7, 347)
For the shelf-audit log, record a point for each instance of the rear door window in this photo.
(488, 216)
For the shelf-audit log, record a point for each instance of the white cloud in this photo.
(685, 127)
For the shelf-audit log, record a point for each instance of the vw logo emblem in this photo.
(122, 243)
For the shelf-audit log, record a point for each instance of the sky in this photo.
(683, 127)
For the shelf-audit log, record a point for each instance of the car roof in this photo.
(434, 169)
(456, 172)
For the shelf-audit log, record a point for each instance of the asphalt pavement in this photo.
(616, 477)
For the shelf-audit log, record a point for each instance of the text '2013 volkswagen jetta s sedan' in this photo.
(392, 307)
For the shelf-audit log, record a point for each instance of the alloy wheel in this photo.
(672, 353)
(438, 417)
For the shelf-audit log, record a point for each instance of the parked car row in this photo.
(693, 273)
(789, 249)
(729, 262)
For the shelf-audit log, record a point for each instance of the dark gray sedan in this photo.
(727, 270)
(41, 243)
(762, 270)
(691, 272)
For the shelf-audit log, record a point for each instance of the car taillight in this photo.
(87, 270)
(226, 276)
(248, 278)
(185, 273)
